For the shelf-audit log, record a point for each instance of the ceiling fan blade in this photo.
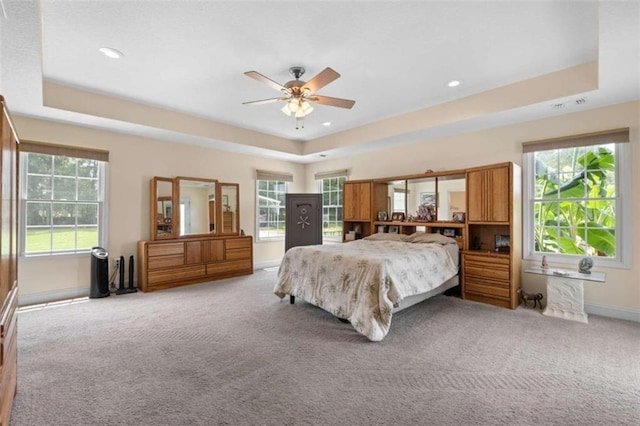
(264, 101)
(336, 102)
(257, 76)
(325, 77)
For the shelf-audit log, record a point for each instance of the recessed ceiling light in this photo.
(326, 124)
(453, 83)
(323, 155)
(111, 53)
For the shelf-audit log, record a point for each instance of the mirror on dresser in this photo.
(162, 208)
(196, 206)
(229, 208)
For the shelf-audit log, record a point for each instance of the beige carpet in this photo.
(231, 352)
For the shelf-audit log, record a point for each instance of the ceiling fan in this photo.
(298, 94)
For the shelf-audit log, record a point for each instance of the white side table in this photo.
(565, 293)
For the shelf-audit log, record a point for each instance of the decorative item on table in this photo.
(426, 213)
(382, 216)
(458, 216)
(381, 229)
(585, 265)
(502, 243)
(357, 229)
(394, 230)
(544, 264)
(397, 217)
(449, 232)
(350, 236)
(536, 297)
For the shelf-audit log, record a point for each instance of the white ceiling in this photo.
(394, 57)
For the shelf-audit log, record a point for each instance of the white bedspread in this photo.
(362, 280)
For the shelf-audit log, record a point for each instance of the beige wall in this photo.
(135, 160)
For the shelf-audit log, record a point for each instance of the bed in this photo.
(366, 281)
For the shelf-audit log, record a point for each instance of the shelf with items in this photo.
(354, 230)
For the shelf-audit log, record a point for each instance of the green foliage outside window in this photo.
(575, 201)
(62, 205)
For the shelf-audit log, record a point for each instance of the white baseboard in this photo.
(51, 296)
(611, 312)
(267, 264)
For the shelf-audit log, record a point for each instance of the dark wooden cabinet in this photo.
(8, 264)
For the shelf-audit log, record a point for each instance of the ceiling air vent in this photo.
(581, 101)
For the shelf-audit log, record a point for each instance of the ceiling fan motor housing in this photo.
(296, 72)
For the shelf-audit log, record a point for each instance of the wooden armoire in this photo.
(8, 264)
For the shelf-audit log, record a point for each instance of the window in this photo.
(574, 201)
(62, 197)
(271, 215)
(331, 188)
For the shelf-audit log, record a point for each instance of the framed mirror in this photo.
(397, 197)
(162, 208)
(229, 210)
(452, 198)
(196, 206)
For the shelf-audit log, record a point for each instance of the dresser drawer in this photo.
(165, 249)
(166, 261)
(489, 288)
(486, 267)
(176, 274)
(238, 254)
(229, 266)
(238, 243)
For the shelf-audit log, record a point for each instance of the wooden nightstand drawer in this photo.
(486, 271)
(488, 288)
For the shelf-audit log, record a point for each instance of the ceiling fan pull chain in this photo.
(299, 123)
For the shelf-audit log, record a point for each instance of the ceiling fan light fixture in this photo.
(285, 109)
(293, 104)
(306, 107)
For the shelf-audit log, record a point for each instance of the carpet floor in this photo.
(230, 352)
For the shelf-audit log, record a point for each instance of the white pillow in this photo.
(425, 237)
(385, 236)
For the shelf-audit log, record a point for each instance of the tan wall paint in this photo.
(622, 287)
(133, 162)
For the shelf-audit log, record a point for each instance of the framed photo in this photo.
(458, 216)
(428, 198)
(502, 242)
(393, 230)
(449, 232)
(225, 200)
(382, 216)
(397, 216)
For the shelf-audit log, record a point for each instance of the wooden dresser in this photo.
(8, 264)
(177, 262)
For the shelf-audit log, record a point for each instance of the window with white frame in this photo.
(62, 199)
(271, 190)
(331, 184)
(574, 197)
